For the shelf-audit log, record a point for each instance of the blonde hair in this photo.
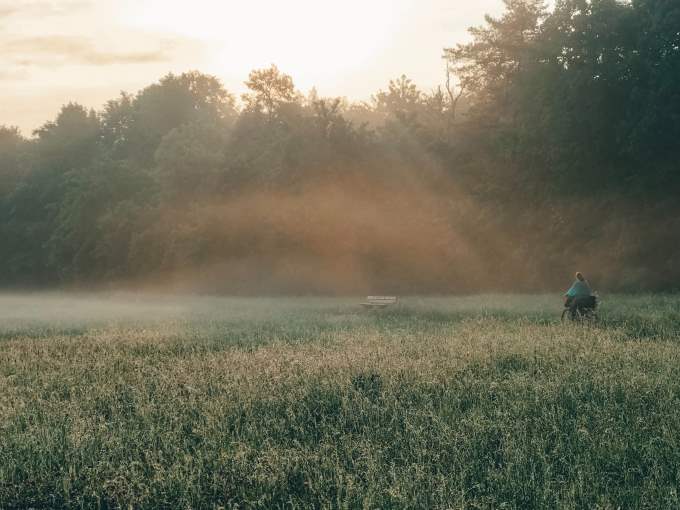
(579, 276)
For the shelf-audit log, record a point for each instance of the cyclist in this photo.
(579, 296)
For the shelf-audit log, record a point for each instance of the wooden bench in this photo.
(373, 302)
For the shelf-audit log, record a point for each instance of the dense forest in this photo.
(553, 146)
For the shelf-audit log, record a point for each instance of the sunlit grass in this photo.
(483, 401)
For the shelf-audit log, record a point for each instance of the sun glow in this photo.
(317, 42)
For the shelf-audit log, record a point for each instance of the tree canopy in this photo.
(552, 146)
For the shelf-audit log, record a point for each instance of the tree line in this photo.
(552, 146)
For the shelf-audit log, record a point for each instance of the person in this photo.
(579, 295)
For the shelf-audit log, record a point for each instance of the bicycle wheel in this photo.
(565, 315)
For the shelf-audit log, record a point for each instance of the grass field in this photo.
(472, 402)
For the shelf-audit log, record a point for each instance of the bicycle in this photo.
(582, 309)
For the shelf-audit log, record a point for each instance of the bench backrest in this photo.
(382, 300)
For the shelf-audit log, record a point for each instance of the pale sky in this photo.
(53, 52)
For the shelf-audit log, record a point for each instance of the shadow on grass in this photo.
(42, 333)
(636, 327)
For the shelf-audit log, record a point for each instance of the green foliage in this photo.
(552, 145)
(13, 149)
(190, 160)
(271, 91)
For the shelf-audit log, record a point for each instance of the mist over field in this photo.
(279, 299)
(128, 399)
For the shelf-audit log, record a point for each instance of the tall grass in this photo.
(479, 402)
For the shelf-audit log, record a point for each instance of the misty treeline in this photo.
(552, 146)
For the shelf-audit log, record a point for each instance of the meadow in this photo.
(140, 401)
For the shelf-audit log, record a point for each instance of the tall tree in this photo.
(270, 90)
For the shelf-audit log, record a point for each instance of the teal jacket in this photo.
(579, 289)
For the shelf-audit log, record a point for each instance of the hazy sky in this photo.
(52, 52)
